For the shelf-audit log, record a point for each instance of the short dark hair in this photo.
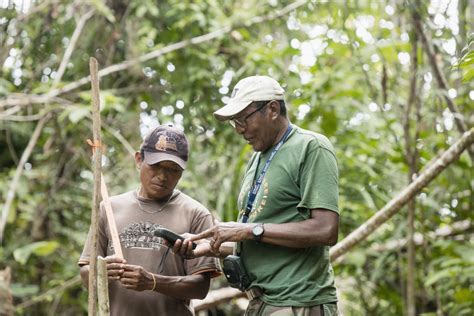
(261, 104)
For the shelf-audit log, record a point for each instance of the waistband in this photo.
(254, 292)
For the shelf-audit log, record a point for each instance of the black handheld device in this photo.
(170, 236)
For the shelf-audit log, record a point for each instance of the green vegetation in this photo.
(359, 72)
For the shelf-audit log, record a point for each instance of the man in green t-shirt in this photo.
(288, 206)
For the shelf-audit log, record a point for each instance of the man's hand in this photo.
(136, 278)
(114, 267)
(185, 249)
(222, 232)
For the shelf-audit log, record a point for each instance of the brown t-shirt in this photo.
(136, 219)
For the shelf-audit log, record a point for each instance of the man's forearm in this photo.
(84, 272)
(193, 286)
(319, 230)
(226, 249)
(298, 235)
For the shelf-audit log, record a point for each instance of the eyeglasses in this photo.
(242, 122)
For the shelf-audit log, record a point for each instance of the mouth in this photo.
(159, 186)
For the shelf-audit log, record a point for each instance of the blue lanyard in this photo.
(254, 190)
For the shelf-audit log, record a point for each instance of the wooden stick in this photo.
(103, 287)
(110, 219)
(97, 158)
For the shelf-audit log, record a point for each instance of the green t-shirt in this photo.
(303, 175)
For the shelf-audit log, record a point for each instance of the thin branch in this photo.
(72, 44)
(43, 98)
(22, 118)
(28, 118)
(51, 292)
(27, 99)
(10, 111)
(19, 170)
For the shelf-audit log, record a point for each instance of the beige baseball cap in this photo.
(248, 90)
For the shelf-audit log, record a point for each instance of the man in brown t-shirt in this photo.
(153, 280)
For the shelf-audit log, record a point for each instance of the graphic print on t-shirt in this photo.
(140, 235)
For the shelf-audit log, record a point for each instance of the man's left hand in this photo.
(136, 278)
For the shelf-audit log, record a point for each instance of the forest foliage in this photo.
(355, 71)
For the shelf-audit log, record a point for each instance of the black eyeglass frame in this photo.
(242, 122)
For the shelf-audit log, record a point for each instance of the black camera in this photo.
(235, 273)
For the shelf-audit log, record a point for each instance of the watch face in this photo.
(257, 230)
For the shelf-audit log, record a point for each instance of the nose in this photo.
(160, 174)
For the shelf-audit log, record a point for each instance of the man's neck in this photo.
(283, 126)
(165, 199)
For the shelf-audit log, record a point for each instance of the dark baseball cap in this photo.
(165, 142)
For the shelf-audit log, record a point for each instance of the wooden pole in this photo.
(110, 219)
(97, 159)
(103, 287)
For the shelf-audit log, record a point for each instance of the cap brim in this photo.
(230, 109)
(154, 158)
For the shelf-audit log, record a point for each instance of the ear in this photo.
(274, 108)
(138, 159)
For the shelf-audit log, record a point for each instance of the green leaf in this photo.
(468, 76)
(446, 273)
(41, 248)
(464, 296)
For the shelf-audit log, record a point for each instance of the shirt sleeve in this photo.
(318, 180)
(204, 264)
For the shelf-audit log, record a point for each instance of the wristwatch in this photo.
(257, 232)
